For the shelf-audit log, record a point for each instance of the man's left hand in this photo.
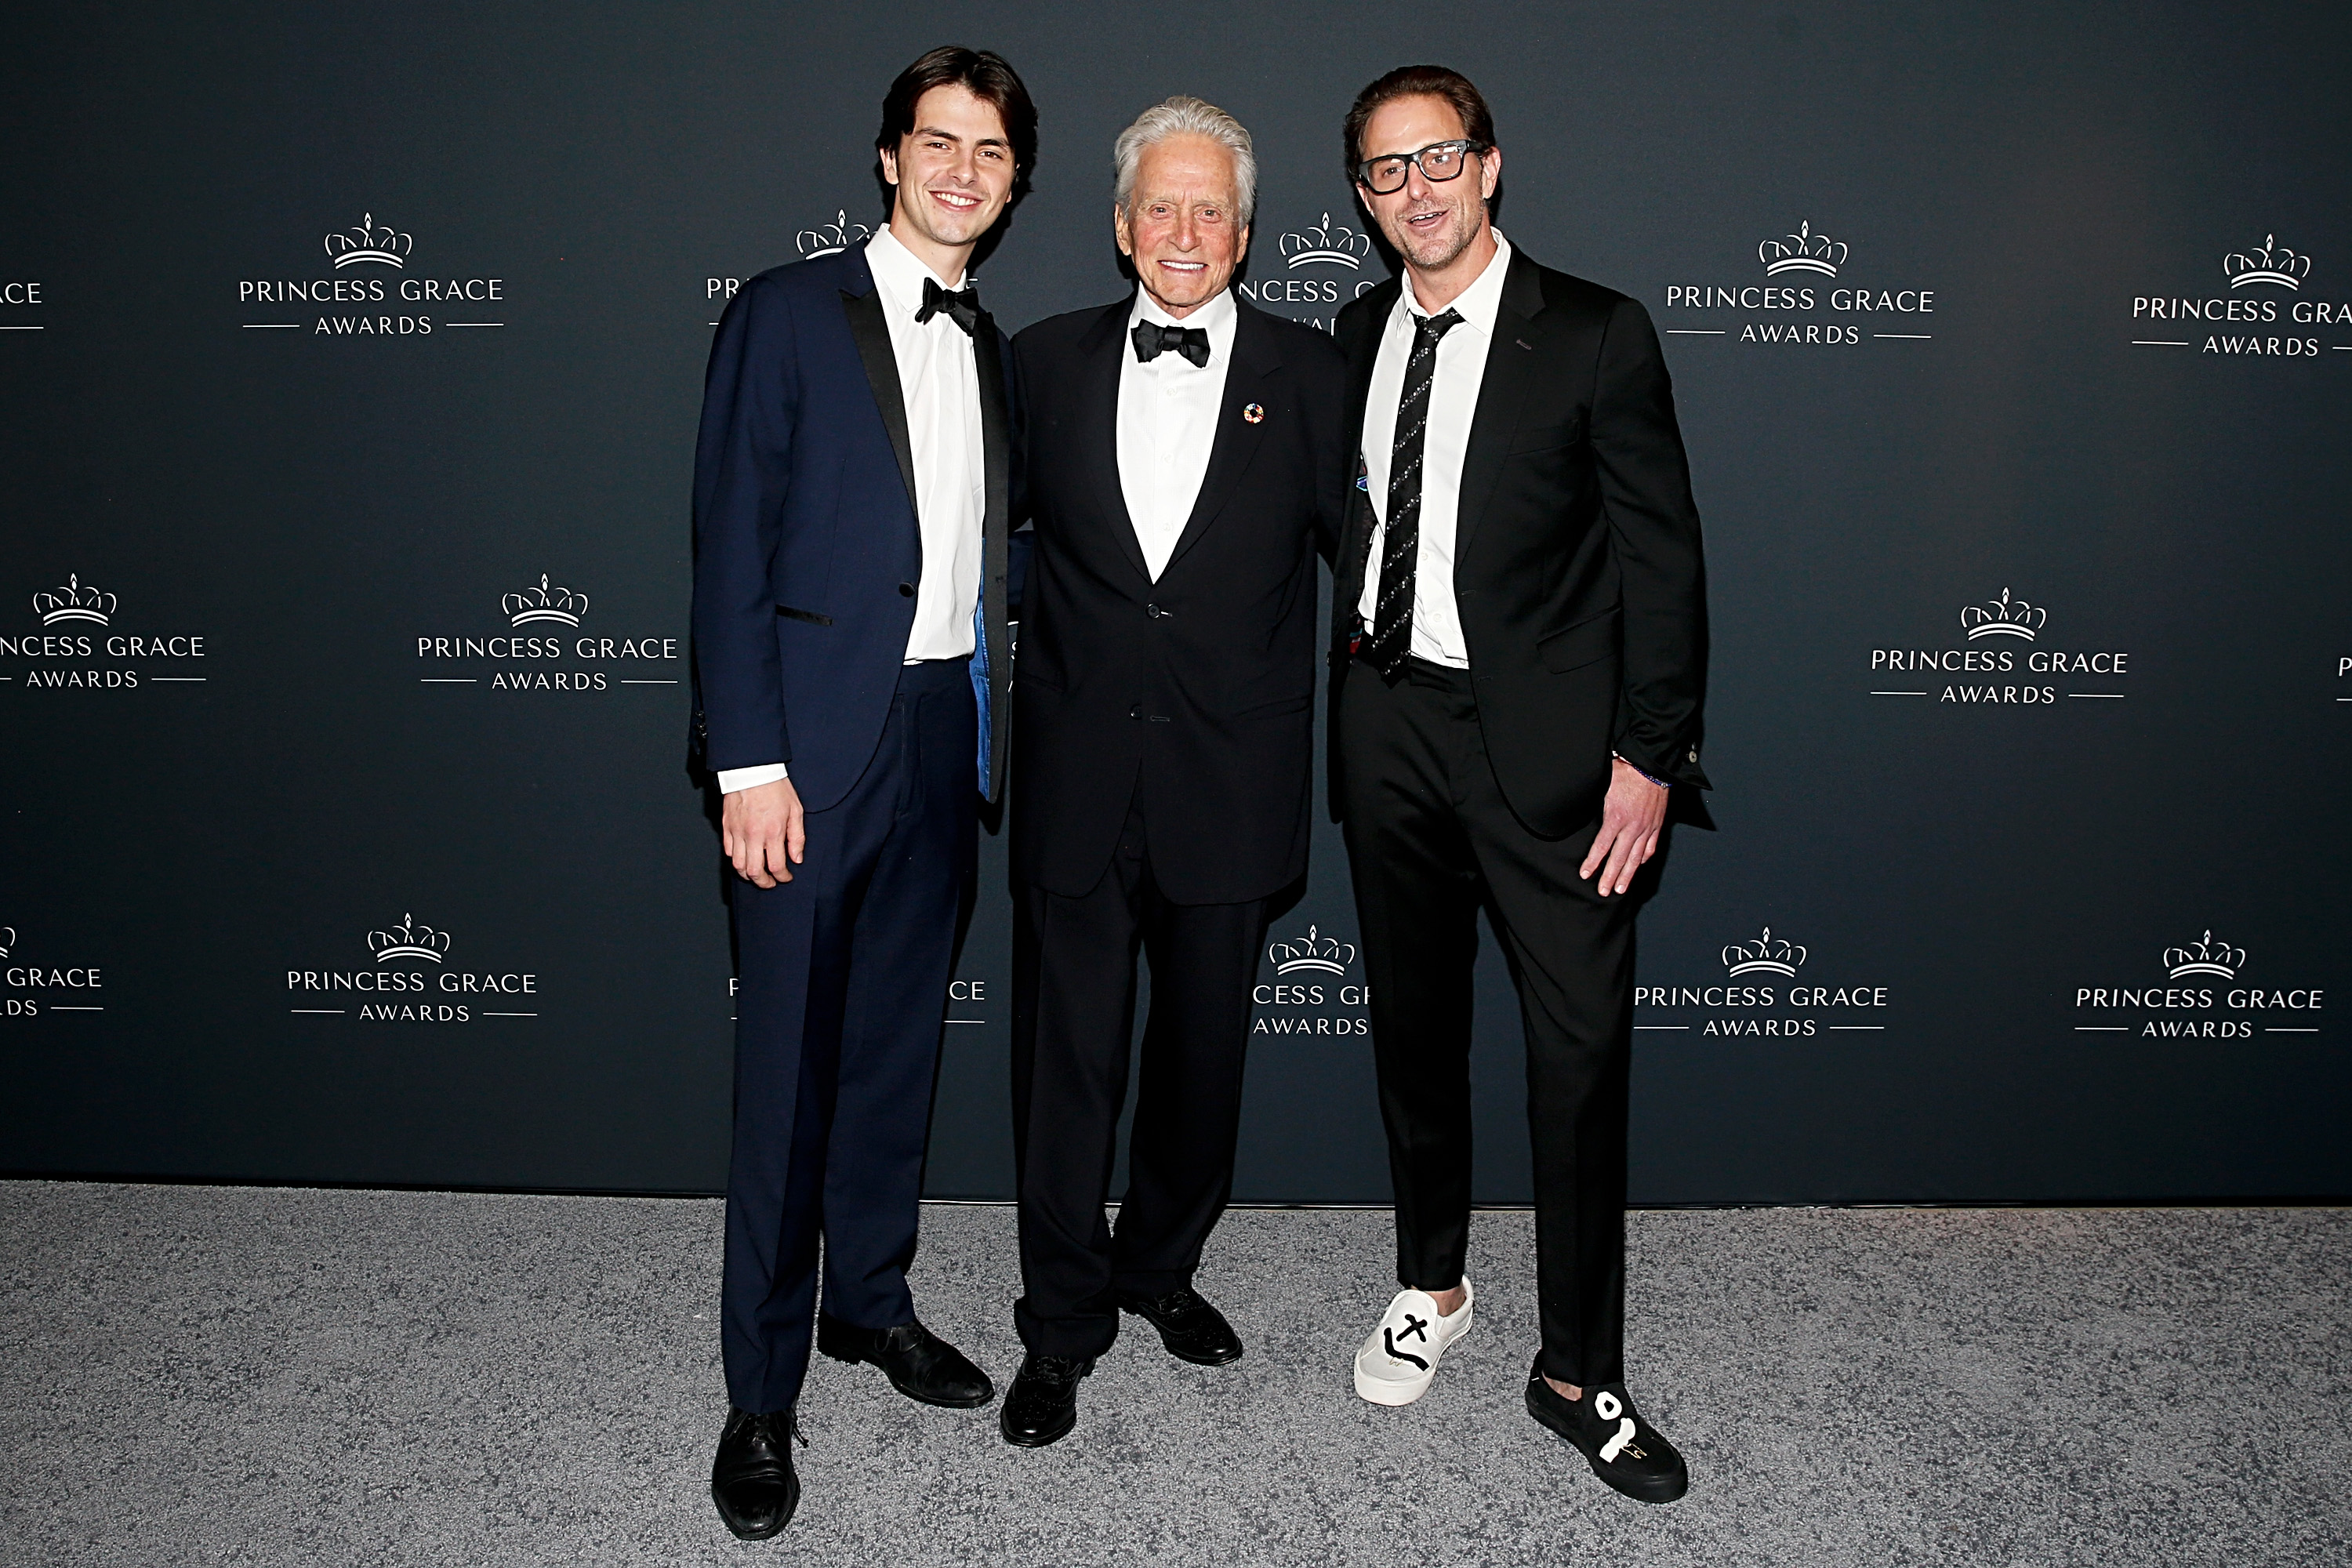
(1630, 820)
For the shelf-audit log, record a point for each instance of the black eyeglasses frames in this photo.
(1438, 161)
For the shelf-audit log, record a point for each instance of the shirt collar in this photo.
(898, 272)
(1216, 317)
(1482, 300)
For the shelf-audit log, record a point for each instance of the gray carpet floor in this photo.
(243, 1376)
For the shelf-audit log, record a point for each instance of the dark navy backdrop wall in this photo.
(346, 400)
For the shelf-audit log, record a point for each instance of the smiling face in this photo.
(1181, 226)
(954, 172)
(1433, 223)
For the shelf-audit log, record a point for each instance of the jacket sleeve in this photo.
(742, 471)
(1023, 544)
(1644, 481)
(1334, 455)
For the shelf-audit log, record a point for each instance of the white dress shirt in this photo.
(940, 380)
(1168, 424)
(1453, 401)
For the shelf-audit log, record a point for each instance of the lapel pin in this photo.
(1254, 413)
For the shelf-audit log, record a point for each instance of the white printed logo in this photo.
(1311, 952)
(1606, 1405)
(544, 603)
(2002, 618)
(1330, 244)
(1803, 251)
(830, 238)
(384, 245)
(408, 939)
(73, 603)
(2275, 264)
(1767, 954)
(2218, 958)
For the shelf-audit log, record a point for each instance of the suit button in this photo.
(1154, 611)
(1135, 712)
(1694, 753)
(906, 590)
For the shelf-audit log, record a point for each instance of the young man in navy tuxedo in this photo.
(852, 497)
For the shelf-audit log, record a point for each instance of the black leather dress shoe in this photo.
(1622, 1450)
(751, 1481)
(1044, 1404)
(1192, 1330)
(919, 1364)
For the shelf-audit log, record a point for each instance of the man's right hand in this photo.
(762, 831)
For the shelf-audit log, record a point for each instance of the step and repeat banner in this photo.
(350, 359)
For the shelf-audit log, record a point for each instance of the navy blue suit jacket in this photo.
(806, 551)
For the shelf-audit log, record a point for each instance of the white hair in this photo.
(1186, 116)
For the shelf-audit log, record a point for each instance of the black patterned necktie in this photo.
(962, 305)
(1153, 339)
(1392, 638)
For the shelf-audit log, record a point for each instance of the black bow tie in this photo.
(962, 306)
(1152, 340)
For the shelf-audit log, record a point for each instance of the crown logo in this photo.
(830, 238)
(2274, 263)
(2207, 957)
(73, 602)
(1803, 251)
(408, 939)
(383, 244)
(544, 604)
(1768, 954)
(1312, 950)
(1330, 242)
(2003, 618)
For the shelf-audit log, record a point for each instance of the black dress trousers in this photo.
(1430, 838)
(1073, 1019)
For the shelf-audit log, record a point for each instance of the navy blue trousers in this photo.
(844, 976)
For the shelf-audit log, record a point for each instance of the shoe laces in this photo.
(780, 1425)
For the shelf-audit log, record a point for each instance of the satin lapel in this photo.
(1237, 440)
(1102, 353)
(1512, 365)
(871, 332)
(996, 539)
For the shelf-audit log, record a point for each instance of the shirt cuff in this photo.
(1661, 784)
(732, 781)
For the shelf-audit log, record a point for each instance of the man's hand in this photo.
(1630, 821)
(762, 828)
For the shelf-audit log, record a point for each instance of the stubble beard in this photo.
(1435, 252)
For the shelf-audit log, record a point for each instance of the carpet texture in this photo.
(261, 1377)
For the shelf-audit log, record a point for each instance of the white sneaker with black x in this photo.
(1399, 1362)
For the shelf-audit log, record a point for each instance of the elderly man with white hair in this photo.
(1187, 462)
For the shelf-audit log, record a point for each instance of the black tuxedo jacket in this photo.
(1577, 564)
(1198, 689)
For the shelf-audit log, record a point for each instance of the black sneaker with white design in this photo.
(1624, 1450)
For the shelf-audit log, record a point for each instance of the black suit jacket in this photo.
(1577, 564)
(1198, 688)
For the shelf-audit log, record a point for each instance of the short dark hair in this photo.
(986, 76)
(1416, 81)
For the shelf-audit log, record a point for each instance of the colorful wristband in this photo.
(1653, 778)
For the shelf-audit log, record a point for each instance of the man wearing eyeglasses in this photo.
(1519, 663)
